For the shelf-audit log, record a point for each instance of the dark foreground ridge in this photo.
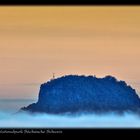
(72, 93)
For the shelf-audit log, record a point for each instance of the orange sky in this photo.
(37, 41)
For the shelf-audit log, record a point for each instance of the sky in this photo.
(37, 41)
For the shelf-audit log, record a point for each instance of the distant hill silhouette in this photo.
(74, 93)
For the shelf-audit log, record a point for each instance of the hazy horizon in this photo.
(36, 41)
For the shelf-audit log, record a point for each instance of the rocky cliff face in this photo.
(85, 94)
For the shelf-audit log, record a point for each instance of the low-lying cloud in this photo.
(24, 120)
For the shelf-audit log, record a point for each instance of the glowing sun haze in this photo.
(38, 41)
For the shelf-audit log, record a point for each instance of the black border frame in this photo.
(99, 133)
